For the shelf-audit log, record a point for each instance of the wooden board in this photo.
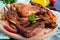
(44, 33)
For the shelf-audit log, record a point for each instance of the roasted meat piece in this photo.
(18, 15)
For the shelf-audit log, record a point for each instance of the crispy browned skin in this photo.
(18, 14)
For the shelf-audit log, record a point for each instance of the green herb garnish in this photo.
(0, 15)
(0, 12)
(32, 18)
(8, 1)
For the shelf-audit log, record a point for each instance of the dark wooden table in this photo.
(56, 5)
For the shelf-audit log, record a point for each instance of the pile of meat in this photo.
(17, 17)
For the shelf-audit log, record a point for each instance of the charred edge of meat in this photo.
(22, 31)
(51, 25)
(23, 22)
(37, 25)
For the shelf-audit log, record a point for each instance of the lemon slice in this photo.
(42, 2)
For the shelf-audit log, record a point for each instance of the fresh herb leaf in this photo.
(32, 18)
(8, 1)
(0, 12)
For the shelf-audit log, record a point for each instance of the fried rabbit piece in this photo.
(12, 18)
(27, 10)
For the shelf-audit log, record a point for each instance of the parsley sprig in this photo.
(8, 1)
(0, 12)
(0, 15)
(32, 18)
